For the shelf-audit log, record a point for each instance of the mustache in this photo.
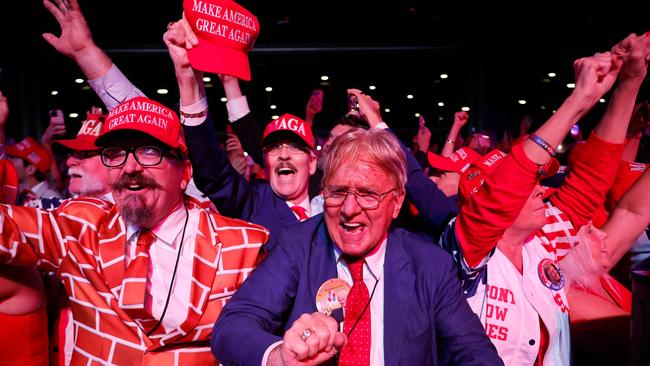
(75, 171)
(139, 179)
(285, 164)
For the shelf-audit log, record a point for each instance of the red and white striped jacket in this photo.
(84, 242)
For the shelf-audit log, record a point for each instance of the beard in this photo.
(132, 206)
(135, 211)
(89, 185)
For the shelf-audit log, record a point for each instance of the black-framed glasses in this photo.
(144, 155)
(292, 148)
(368, 200)
(82, 155)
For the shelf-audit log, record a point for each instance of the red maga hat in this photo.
(474, 177)
(457, 162)
(88, 133)
(226, 32)
(146, 116)
(289, 123)
(33, 152)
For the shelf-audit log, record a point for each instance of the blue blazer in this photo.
(233, 195)
(426, 317)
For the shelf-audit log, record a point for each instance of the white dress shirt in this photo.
(304, 204)
(162, 254)
(373, 273)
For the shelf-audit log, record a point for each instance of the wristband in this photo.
(203, 113)
(543, 144)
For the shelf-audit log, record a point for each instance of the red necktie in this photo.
(357, 350)
(134, 283)
(300, 212)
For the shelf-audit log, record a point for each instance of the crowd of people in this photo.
(145, 240)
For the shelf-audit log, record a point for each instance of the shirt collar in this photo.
(374, 262)
(167, 231)
(304, 204)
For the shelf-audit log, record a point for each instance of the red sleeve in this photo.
(590, 176)
(490, 211)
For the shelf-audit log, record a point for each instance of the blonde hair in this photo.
(377, 146)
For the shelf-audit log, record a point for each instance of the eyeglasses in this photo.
(82, 155)
(368, 200)
(144, 155)
(292, 148)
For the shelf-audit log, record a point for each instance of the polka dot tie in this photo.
(357, 350)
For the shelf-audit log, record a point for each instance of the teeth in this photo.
(285, 171)
(353, 227)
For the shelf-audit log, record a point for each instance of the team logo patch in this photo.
(550, 274)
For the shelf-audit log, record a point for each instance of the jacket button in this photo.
(531, 342)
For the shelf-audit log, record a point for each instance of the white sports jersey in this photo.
(510, 304)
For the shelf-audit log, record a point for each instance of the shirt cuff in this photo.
(382, 125)
(114, 88)
(237, 108)
(265, 358)
(194, 114)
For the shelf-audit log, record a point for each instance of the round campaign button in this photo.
(332, 295)
(550, 274)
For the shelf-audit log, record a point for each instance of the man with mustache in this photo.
(287, 142)
(398, 299)
(148, 276)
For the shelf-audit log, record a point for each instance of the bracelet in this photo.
(203, 113)
(450, 142)
(543, 144)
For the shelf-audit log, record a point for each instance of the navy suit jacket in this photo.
(233, 195)
(425, 313)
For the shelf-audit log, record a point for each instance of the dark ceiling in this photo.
(494, 57)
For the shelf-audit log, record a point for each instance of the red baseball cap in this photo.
(457, 162)
(289, 123)
(226, 32)
(88, 133)
(474, 177)
(147, 116)
(32, 151)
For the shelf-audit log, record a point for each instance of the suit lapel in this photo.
(321, 265)
(207, 251)
(112, 250)
(398, 291)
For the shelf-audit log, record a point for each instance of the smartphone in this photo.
(56, 116)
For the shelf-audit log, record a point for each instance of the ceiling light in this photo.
(162, 91)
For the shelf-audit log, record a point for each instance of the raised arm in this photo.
(484, 218)
(460, 119)
(594, 170)
(213, 174)
(77, 43)
(434, 206)
(628, 220)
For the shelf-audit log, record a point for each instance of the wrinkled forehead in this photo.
(361, 172)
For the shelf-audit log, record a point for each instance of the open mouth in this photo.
(286, 171)
(353, 227)
(74, 175)
(135, 187)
